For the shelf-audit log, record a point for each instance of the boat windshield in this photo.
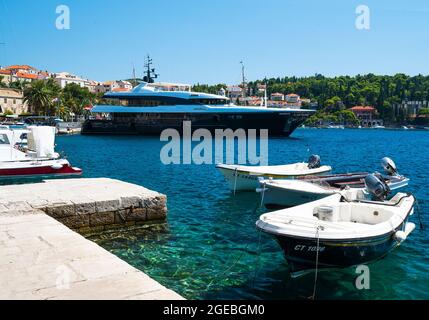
(4, 139)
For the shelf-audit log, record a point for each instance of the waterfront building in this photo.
(91, 85)
(234, 92)
(277, 96)
(293, 100)
(114, 86)
(65, 78)
(12, 100)
(22, 73)
(410, 108)
(261, 89)
(367, 116)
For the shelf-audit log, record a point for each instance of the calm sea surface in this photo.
(210, 248)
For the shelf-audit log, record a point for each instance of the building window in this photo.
(14, 101)
(5, 100)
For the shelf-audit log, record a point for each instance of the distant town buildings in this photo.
(22, 73)
(410, 108)
(261, 89)
(277, 96)
(12, 100)
(65, 78)
(367, 116)
(115, 86)
(234, 92)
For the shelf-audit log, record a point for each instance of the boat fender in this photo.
(400, 236)
(57, 166)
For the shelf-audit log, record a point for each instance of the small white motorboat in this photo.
(30, 153)
(338, 232)
(246, 178)
(289, 193)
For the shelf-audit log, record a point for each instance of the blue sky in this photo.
(203, 41)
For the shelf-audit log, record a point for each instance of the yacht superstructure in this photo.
(150, 108)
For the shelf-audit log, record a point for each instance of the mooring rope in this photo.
(419, 213)
(258, 263)
(235, 179)
(262, 195)
(313, 297)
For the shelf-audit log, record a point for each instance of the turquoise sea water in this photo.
(210, 248)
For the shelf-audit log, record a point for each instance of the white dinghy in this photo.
(337, 232)
(246, 178)
(289, 193)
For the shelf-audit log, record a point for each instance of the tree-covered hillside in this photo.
(342, 92)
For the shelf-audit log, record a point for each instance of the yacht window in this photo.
(4, 139)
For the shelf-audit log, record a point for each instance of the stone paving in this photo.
(41, 258)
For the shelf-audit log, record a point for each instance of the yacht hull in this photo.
(277, 123)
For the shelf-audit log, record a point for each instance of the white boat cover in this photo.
(42, 141)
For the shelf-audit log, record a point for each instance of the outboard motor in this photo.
(314, 162)
(376, 187)
(389, 166)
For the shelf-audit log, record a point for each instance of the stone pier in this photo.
(87, 205)
(41, 257)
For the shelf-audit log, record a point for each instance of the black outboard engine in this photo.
(376, 187)
(314, 162)
(389, 166)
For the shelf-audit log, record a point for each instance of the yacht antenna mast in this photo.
(150, 72)
(244, 79)
(134, 75)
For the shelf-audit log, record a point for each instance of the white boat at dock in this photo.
(30, 153)
(289, 193)
(339, 232)
(246, 178)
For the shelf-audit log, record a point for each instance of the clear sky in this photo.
(203, 41)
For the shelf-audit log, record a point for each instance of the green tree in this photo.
(38, 97)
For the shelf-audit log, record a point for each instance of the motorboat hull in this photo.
(38, 169)
(278, 196)
(239, 180)
(275, 198)
(300, 253)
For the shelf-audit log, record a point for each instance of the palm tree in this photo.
(62, 111)
(38, 96)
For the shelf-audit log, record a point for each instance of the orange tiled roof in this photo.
(363, 108)
(23, 67)
(27, 75)
(292, 95)
(3, 71)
